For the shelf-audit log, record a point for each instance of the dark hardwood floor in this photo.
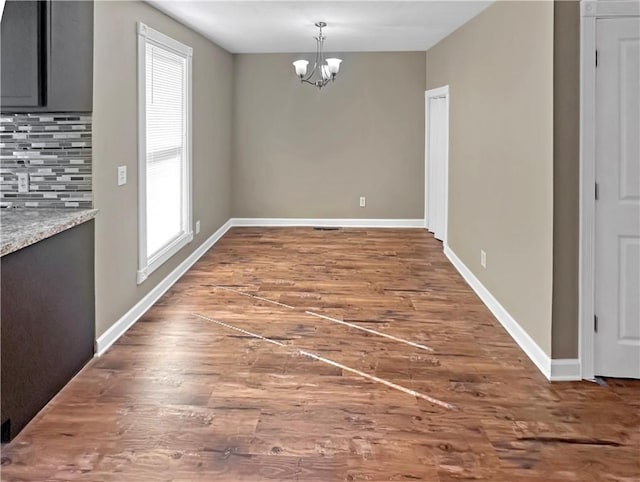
(182, 398)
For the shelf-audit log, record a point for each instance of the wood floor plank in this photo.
(180, 398)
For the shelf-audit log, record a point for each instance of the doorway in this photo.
(610, 204)
(437, 161)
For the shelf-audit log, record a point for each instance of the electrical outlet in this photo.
(122, 175)
(198, 227)
(483, 258)
(363, 201)
(23, 182)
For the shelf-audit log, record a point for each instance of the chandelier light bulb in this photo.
(334, 65)
(301, 67)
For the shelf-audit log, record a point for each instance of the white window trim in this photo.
(147, 266)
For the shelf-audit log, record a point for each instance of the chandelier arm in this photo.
(321, 48)
(309, 75)
(311, 71)
(315, 63)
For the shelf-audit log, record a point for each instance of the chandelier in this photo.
(322, 73)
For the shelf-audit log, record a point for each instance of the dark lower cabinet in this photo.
(48, 321)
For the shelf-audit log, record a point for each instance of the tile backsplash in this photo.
(54, 152)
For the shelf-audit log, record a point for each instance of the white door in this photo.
(617, 238)
(436, 155)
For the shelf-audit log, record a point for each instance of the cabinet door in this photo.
(23, 54)
(47, 320)
(71, 84)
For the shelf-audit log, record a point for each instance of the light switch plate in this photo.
(122, 175)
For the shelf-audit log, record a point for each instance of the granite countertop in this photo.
(21, 227)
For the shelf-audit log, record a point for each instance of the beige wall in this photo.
(566, 175)
(115, 144)
(499, 67)
(303, 153)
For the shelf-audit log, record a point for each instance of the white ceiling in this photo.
(353, 26)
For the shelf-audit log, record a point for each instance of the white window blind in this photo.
(165, 184)
(165, 146)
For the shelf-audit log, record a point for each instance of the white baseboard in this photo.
(328, 223)
(554, 370)
(123, 324)
(565, 370)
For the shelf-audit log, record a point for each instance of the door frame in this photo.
(428, 95)
(590, 12)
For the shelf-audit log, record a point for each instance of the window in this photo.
(164, 157)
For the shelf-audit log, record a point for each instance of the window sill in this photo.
(160, 258)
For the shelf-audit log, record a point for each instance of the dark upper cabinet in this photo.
(47, 56)
(71, 62)
(23, 66)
